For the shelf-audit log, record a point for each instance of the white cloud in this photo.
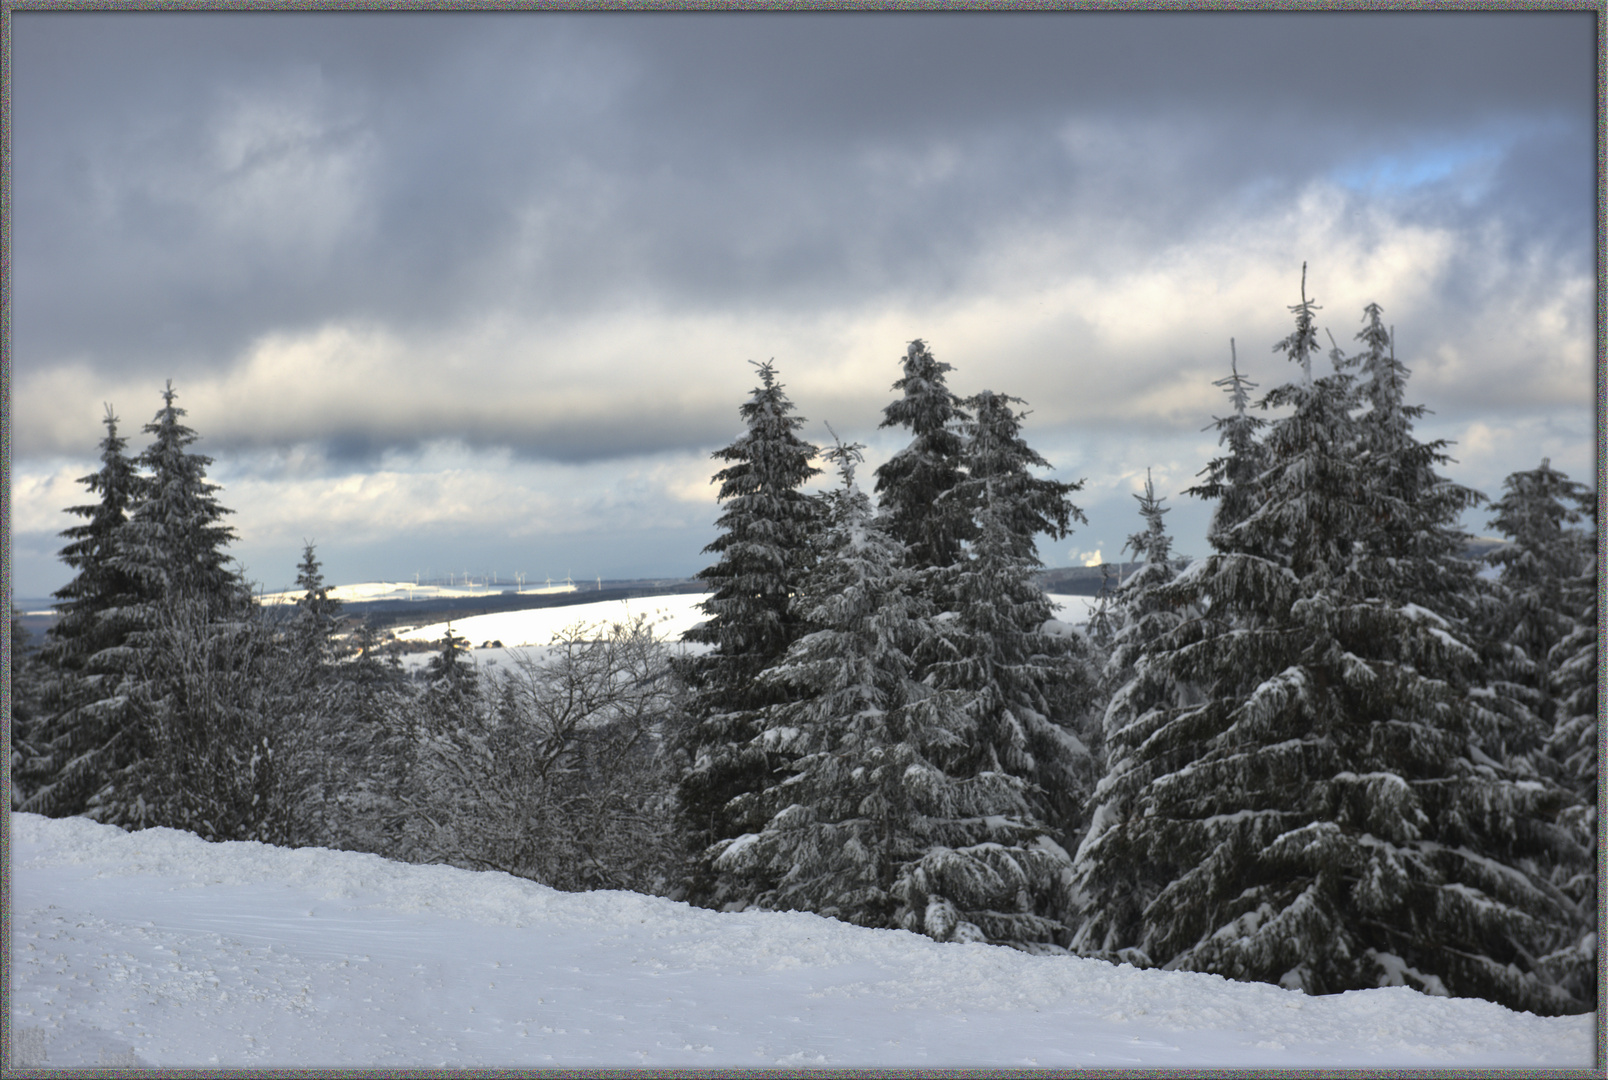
(41, 494)
(1139, 346)
(446, 488)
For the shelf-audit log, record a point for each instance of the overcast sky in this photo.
(478, 292)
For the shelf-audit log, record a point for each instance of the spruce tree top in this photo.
(998, 483)
(912, 482)
(174, 542)
(1301, 344)
(99, 585)
(448, 672)
(1415, 537)
(316, 611)
(1534, 510)
(1153, 545)
(1232, 478)
(765, 529)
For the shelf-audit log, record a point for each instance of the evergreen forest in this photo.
(1336, 752)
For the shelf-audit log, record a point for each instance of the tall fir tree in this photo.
(1545, 557)
(915, 486)
(174, 542)
(767, 528)
(1113, 885)
(1415, 542)
(1326, 815)
(189, 639)
(85, 623)
(83, 731)
(862, 798)
(1027, 691)
(1572, 666)
(317, 616)
(318, 732)
(1540, 620)
(1572, 752)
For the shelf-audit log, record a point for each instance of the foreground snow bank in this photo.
(157, 948)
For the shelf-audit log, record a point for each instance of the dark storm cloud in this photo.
(686, 155)
(366, 441)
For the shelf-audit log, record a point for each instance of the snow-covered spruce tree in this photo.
(1113, 885)
(441, 718)
(316, 728)
(1532, 615)
(863, 797)
(81, 736)
(1541, 622)
(1572, 746)
(1418, 557)
(1231, 479)
(1138, 616)
(84, 626)
(1102, 630)
(1572, 752)
(173, 543)
(449, 677)
(1026, 691)
(373, 758)
(1326, 815)
(763, 549)
(1415, 544)
(192, 667)
(913, 484)
(226, 750)
(312, 628)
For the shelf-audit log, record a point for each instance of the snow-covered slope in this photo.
(671, 615)
(157, 948)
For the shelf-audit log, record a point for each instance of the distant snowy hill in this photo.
(155, 948)
(671, 616)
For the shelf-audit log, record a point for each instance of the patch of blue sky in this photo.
(1403, 171)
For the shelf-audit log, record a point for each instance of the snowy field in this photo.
(531, 629)
(158, 949)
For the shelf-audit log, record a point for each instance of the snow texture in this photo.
(156, 948)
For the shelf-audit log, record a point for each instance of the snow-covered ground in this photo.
(155, 948)
(672, 616)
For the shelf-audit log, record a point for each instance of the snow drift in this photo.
(156, 948)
